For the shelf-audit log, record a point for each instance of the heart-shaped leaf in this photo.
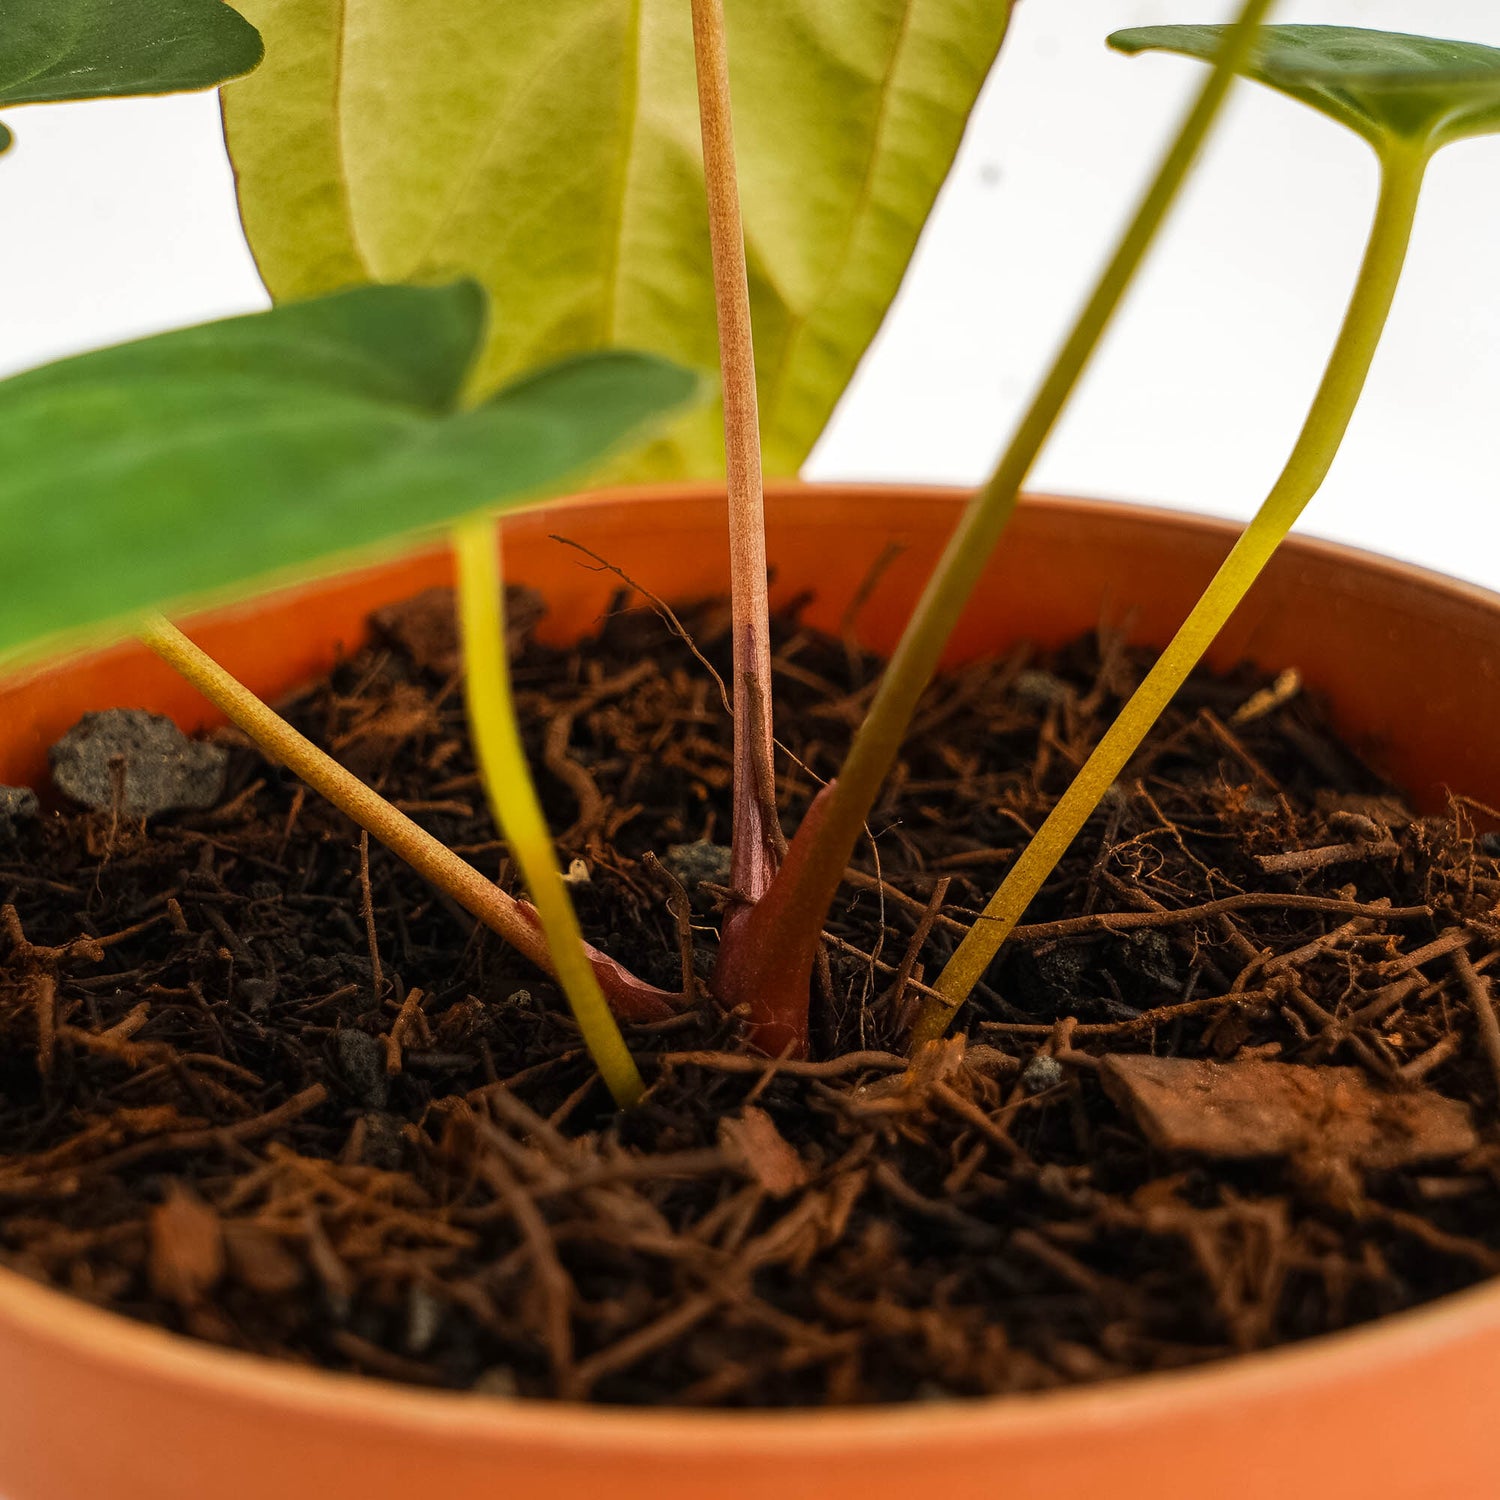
(1392, 88)
(214, 455)
(51, 50)
(550, 148)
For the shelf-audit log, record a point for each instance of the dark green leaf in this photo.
(1392, 88)
(213, 455)
(51, 50)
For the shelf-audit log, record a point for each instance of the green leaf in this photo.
(213, 455)
(551, 149)
(53, 50)
(1392, 88)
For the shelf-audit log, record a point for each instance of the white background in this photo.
(119, 220)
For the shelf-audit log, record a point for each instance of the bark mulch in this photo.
(1234, 1084)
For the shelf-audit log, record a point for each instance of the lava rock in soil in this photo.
(1043, 1072)
(142, 759)
(362, 1062)
(18, 805)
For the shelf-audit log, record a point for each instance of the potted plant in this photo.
(369, 401)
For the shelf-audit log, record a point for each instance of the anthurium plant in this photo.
(578, 170)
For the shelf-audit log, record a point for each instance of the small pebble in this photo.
(497, 1381)
(424, 1319)
(1042, 1073)
(362, 1062)
(18, 805)
(697, 863)
(142, 758)
(1040, 688)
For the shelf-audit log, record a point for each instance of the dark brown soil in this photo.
(223, 1110)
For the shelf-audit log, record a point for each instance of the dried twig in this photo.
(367, 906)
(1478, 990)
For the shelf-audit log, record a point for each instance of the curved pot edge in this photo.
(58, 1318)
(47, 1316)
(1214, 532)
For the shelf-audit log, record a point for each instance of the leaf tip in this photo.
(1131, 41)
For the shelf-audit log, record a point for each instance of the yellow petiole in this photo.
(514, 803)
(1323, 431)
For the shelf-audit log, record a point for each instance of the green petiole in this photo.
(1322, 432)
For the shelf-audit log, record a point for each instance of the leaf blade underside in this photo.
(1390, 87)
(552, 151)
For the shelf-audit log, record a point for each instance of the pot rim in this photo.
(105, 1338)
(272, 588)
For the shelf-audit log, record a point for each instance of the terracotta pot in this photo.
(93, 1407)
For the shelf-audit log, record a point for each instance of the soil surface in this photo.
(1233, 1085)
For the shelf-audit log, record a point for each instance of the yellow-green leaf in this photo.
(550, 148)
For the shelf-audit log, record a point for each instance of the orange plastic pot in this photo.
(93, 1407)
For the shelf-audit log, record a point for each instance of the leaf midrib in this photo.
(346, 199)
(630, 129)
